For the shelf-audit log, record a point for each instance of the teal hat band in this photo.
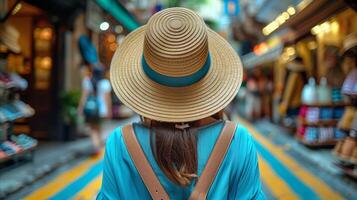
(176, 81)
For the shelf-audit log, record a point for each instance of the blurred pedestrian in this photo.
(253, 100)
(182, 148)
(95, 103)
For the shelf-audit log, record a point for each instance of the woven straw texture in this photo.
(175, 43)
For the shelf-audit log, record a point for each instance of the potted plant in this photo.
(69, 104)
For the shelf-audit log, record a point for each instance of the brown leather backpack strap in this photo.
(214, 162)
(141, 163)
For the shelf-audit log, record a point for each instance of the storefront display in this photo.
(11, 107)
(317, 124)
(40, 63)
(327, 113)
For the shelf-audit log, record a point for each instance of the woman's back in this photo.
(177, 74)
(237, 178)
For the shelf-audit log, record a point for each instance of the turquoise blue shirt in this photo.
(237, 178)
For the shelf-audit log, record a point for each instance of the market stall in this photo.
(13, 145)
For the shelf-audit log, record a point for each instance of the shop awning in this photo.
(252, 60)
(314, 13)
(114, 8)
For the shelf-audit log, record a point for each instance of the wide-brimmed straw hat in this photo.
(9, 37)
(175, 69)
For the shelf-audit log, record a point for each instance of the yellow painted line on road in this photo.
(279, 189)
(91, 190)
(309, 179)
(63, 179)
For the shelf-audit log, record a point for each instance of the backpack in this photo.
(91, 107)
(207, 177)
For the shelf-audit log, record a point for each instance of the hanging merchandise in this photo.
(294, 86)
(323, 92)
(349, 52)
(309, 92)
(349, 45)
(350, 84)
(87, 49)
(9, 37)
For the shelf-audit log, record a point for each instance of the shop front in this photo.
(32, 76)
(311, 74)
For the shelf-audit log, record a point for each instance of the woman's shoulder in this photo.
(115, 143)
(115, 136)
(242, 133)
(242, 141)
(242, 151)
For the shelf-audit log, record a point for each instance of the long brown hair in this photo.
(175, 147)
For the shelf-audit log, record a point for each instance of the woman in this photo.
(178, 75)
(95, 103)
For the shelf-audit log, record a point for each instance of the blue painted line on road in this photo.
(72, 189)
(303, 191)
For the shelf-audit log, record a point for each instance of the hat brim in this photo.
(175, 104)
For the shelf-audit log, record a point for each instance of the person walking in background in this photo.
(253, 98)
(95, 103)
(178, 75)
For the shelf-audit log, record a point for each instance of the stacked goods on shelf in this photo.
(318, 117)
(11, 108)
(317, 124)
(16, 146)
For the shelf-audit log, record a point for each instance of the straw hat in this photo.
(175, 69)
(9, 37)
(349, 43)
